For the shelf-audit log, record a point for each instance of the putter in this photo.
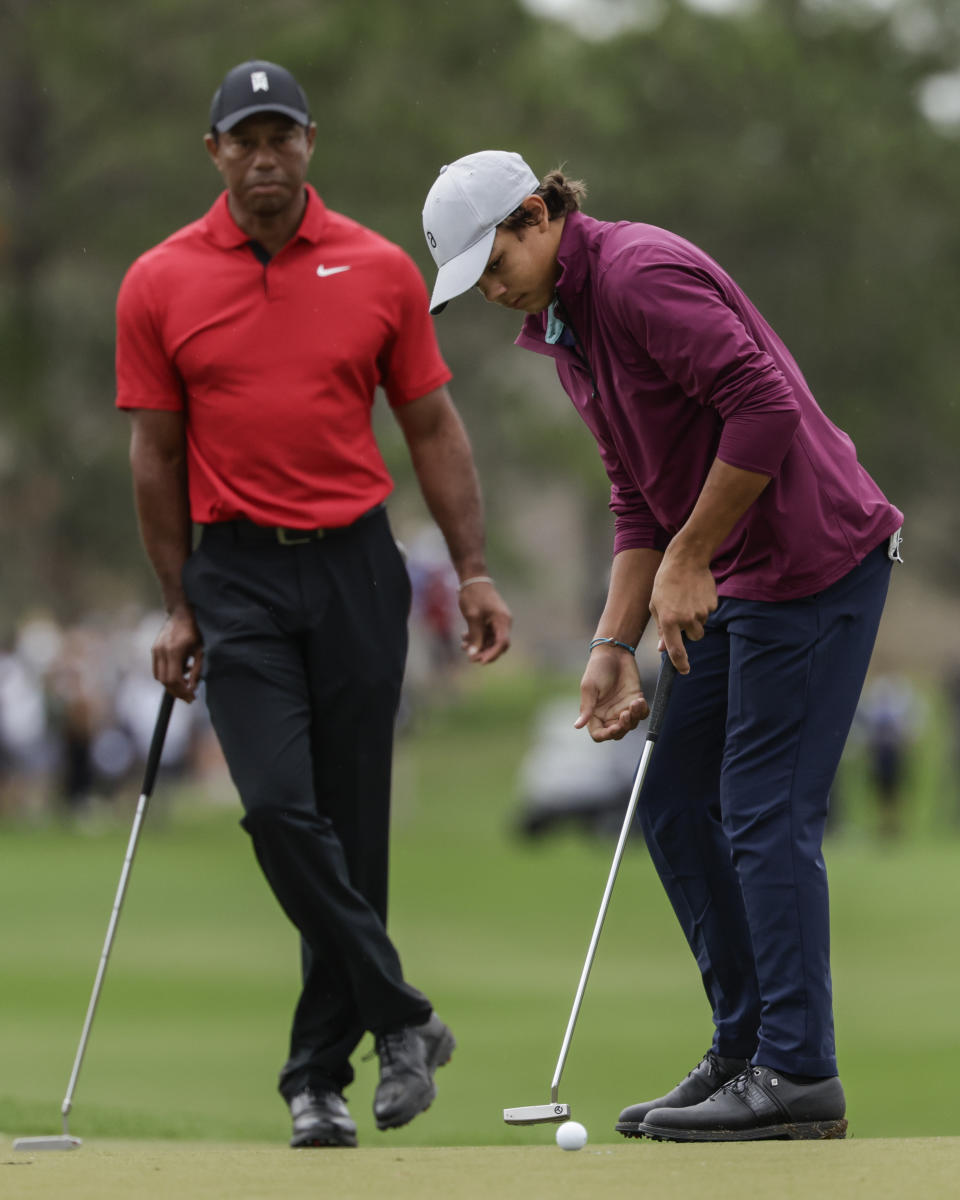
(65, 1141)
(555, 1112)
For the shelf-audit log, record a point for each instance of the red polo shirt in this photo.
(276, 365)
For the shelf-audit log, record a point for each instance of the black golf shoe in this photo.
(710, 1073)
(760, 1104)
(408, 1059)
(321, 1119)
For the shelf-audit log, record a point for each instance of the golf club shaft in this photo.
(149, 776)
(657, 710)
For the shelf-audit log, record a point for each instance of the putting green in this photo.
(102, 1170)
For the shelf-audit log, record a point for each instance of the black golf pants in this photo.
(304, 650)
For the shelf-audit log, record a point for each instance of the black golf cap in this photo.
(255, 87)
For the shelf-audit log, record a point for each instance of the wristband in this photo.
(606, 641)
(474, 579)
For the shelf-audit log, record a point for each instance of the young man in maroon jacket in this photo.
(249, 347)
(749, 531)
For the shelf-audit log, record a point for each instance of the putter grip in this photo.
(156, 742)
(661, 696)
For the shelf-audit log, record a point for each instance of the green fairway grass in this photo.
(192, 1026)
(111, 1170)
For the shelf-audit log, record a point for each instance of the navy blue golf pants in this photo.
(304, 650)
(735, 804)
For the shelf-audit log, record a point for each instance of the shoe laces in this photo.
(387, 1046)
(710, 1059)
(738, 1084)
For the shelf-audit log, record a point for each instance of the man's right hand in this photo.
(178, 654)
(611, 699)
(684, 595)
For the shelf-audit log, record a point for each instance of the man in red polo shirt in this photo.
(249, 347)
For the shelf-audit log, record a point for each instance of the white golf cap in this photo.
(462, 211)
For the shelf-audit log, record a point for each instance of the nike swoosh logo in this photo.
(323, 271)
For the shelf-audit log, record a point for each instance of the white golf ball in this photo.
(571, 1135)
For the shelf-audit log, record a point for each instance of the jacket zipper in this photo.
(578, 346)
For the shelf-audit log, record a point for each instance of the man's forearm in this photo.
(452, 494)
(726, 495)
(163, 511)
(441, 456)
(166, 538)
(627, 610)
(443, 462)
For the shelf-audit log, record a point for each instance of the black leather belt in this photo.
(248, 532)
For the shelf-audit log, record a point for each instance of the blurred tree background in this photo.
(809, 145)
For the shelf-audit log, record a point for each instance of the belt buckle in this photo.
(285, 539)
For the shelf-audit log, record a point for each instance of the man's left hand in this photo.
(488, 620)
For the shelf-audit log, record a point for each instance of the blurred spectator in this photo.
(952, 689)
(78, 703)
(77, 711)
(25, 743)
(887, 722)
(434, 658)
(441, 616)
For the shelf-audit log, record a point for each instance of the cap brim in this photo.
(241, 114)
(461, 273)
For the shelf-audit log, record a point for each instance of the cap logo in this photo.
(259, 81)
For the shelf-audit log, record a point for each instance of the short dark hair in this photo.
(560, 194)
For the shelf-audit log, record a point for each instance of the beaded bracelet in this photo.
(474, 579)
(612, 642)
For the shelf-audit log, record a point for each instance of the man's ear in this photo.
(212, 145)
(537, 207)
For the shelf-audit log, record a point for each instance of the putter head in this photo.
(60, 1141)
(537, 1114)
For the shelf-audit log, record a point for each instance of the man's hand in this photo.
(684, 592)
(178, 654)
(611, 699)
(684, 596)
(488, 620)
